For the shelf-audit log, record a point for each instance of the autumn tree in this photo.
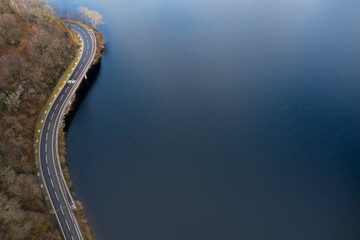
(12, 219)
(2, 42)
(35, 49)
(25, 6)
(9, 29)
(14, 69)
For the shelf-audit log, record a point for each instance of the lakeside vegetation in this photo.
(36, 48)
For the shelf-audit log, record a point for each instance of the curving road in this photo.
(51, 173)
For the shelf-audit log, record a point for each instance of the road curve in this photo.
(55, 185)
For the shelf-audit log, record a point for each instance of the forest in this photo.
(35, 49)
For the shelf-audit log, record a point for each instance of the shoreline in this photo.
(63, 128)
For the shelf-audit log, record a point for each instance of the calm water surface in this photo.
(214, 120)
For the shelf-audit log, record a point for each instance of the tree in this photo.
(12, 219)
(2, 42)
(9, 29)
(94, 16)
(14, 69)
(84, 13)
(35, 49)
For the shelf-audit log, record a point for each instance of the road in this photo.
(55, 185)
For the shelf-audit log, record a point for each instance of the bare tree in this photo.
(14, 68)
(55, 7)
(2, 42)
(35, 49)
(94, 16)
(84, 13)
(12, 215)
(9, 29)
(26, 6)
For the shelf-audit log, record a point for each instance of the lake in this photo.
(211, 120)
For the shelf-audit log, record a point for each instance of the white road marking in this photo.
(61, 97)
(56, 106)
(62, 211)
(45, 147)
(49, 126)
(52, 184)
(72, 237)
(67, 224)
(52, 115)
(66, 88)
(47, 134)
(46, 159)
(57, 198)
(48, 170)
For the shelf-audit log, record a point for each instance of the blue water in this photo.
(222, 120)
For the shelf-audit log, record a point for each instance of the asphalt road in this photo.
(54, 183)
